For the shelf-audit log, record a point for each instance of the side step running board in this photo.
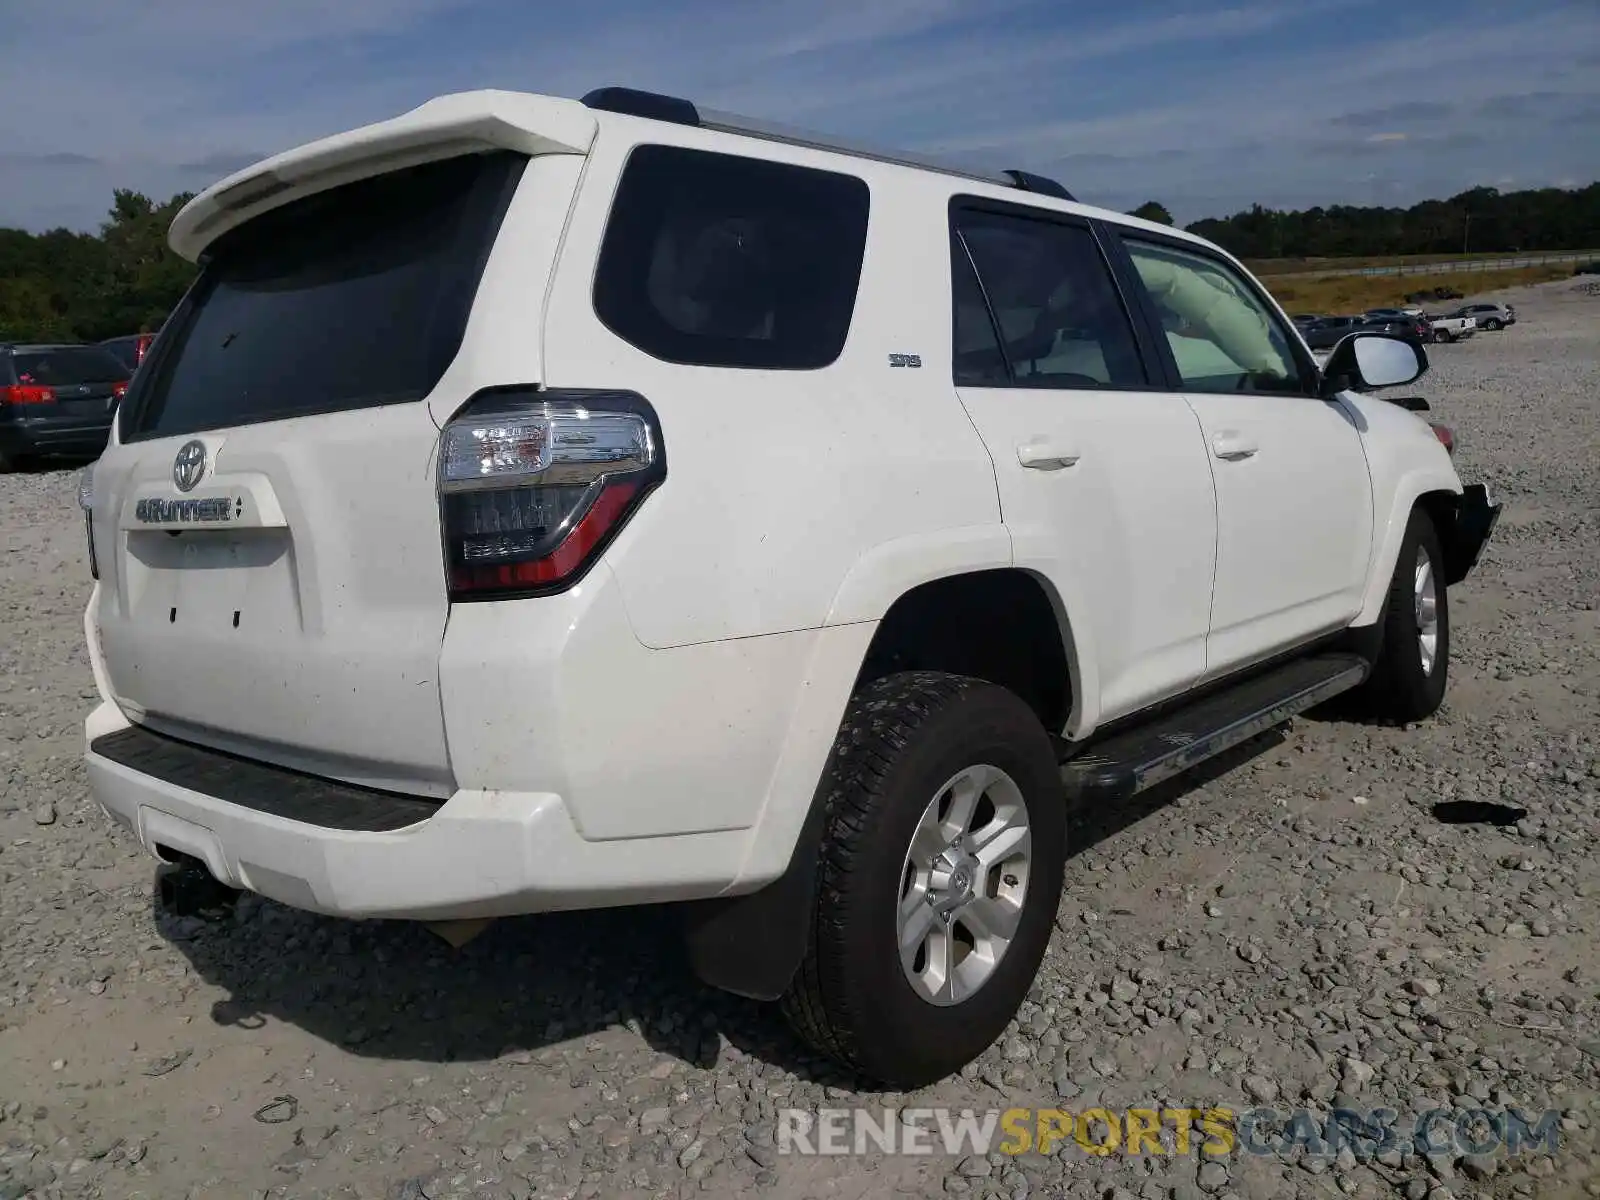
(1171, 744)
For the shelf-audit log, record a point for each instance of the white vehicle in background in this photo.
(544, 504)
(1491, 317)
(1453, 329)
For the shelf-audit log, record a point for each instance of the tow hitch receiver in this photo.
(459, 933)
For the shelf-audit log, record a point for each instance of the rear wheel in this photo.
(1443, 335)
(938, 878)
(1492, 324)
(1409, 678)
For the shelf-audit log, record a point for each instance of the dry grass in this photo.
(1341, 294)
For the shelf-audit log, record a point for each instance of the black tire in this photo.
(902, 739)
(1402, 687)
(1492, 324)
(1443, 335)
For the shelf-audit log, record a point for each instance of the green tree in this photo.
(61, 285)
(26, 313)
(1153, 210)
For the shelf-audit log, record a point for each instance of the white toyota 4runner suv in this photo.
(545, 504)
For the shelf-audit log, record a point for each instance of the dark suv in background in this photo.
(57, 400)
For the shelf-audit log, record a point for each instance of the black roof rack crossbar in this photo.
(633, 103)
(1029, 182)
(656, 107)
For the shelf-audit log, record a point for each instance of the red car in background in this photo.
(130, 349)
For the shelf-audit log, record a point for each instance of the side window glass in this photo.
(1222, 337)
(978, 361)
(1061, 322)
(723, 261)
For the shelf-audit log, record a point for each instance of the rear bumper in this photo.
(478, 854)
(54, 435)
(1476, 516)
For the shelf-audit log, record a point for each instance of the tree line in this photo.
(1482, 220)
(82, 287)
(66, 286)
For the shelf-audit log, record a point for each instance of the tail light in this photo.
(119, 390)
(534, 485)
(86, 502)
(27, 393)
(1446, 436)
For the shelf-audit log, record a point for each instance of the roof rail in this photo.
(656, 107)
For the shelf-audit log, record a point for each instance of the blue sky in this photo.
(1204, 107)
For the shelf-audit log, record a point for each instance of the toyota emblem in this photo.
(190, 466)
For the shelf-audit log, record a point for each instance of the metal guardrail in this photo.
(1509, 263)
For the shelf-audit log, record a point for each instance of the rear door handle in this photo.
(1045, 456)
(1233, 446)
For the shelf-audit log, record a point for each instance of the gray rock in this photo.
(1260, 1089)
(1212, 1177)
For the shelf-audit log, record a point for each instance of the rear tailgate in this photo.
(275, 582)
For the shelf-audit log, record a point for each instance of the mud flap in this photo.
(1476, 517)
(752, 945)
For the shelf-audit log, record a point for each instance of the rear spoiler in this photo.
(464, 123)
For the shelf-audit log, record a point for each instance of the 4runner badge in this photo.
(203, 512)
(905, 360)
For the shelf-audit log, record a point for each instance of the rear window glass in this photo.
(352, 298)
(67, 366)
(723, 261)
(125, 351)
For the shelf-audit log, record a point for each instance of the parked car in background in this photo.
(1399, 322)
(1326, 332)
(1588, 268)
(130, 350)
(1451, 329)
(1490, 316)
(1301, 320)
(57, 400)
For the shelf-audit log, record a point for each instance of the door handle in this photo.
(1233, 446)
(1045, 456)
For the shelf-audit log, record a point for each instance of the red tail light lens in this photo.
(1446, 436)
(27, 393)
(118, 391)
(534, 485)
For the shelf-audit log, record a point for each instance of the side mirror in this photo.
(1373, 360)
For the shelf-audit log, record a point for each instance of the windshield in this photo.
(67, 366)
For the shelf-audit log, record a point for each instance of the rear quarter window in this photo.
(719, 260)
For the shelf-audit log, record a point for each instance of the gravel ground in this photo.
(1298, 928)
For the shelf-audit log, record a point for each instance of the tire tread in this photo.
(879, 724)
